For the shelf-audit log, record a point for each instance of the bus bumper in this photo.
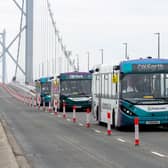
(154, 120)
(80, 107)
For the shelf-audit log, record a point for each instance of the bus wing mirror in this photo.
(91, 71)
(97, 69)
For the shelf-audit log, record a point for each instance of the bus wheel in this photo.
(97, 116)
(113, 119)
(97, 113)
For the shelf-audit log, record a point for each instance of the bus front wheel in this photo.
(97, 113)
(98, 116)
(113, 119)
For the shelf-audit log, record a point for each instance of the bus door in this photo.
(96, 95)
(115, 97)
(105, 99)
(55, 90)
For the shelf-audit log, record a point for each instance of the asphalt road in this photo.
(53, 142)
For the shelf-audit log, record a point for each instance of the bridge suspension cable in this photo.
(65, 51)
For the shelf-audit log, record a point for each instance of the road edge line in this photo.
(16, 149)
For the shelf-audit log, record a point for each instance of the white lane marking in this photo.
(80, 124)
(59, 116)
(158, 154)
(97, 131)
(68, 119)
(121, 140)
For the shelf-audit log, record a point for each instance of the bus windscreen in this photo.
(76, 87)
(46, 88)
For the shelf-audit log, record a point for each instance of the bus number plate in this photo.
(152, 122)
(78, 106)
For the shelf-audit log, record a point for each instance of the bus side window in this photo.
(124, 86)
(106, 87)
(166, 85)
(102, 85)
(97, 85)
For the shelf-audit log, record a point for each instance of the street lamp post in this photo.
(126, 50)
(42, 66)
(158, 34)
(88, 59)
(77, 56)
(102, 50)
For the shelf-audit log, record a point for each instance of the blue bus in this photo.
(74, 90)
(44, 89)
(134, 88)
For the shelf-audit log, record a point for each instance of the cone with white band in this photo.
(30, 101)
(49, 107)
(74, 114)
(64, 110)
(24, 99)
(44, 105)
(136, 123)
(55, 107)
(34, 103)
(87, 117)
(39, 102)
(109, 123)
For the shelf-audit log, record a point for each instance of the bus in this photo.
(74, 90)
(45, 89)
(134, 88)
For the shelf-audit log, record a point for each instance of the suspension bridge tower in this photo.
(29, 42)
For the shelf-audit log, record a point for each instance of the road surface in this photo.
(50, 141)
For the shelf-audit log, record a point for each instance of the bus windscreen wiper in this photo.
(162, 98)
(82, 93)
(134, 101)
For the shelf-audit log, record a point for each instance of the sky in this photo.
(91, 25)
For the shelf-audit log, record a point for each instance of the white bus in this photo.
(104, 93)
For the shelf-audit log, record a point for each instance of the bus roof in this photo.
(103, 68)
(147, 65)
(147, 61)
(75, 75)
(44, 79)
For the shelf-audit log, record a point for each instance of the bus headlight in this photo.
(90, 99)
(127, 111)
